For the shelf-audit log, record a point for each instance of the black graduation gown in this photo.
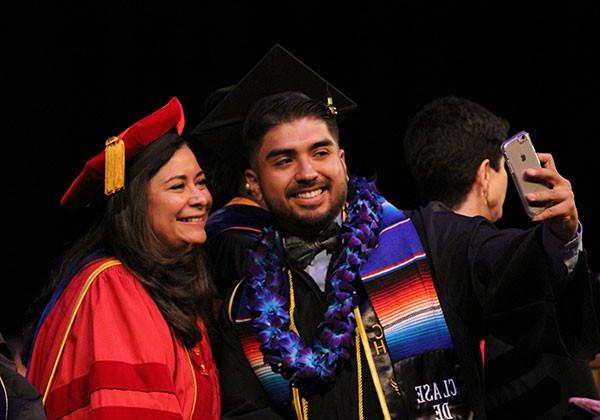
(488, 280)
(550, 322)
(231, 231)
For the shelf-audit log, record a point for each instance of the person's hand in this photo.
(561, 217)
(588, 405)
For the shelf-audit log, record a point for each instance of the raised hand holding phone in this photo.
(546, 195)
(561, 216)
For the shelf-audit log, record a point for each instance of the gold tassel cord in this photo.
(114, 165)
(297, 403)
(361, 414)
(300, 403)
(332, 109)
(370, 362)
(292, 303)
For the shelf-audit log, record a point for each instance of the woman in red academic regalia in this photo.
(125, 332)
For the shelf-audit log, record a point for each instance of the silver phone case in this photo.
(520, 155)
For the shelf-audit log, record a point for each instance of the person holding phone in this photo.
(453, 150)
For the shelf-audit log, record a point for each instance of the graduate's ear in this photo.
(253, 186)
(342, 156)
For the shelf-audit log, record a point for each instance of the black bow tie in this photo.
(301, 251)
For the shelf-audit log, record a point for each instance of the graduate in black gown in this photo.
(452, 148)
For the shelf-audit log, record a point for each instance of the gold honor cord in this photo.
(292, 304)
(363, 335)
(361, 414)
(232, 298)
(300, 404)
(84, 291)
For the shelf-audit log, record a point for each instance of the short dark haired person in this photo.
(452, 148)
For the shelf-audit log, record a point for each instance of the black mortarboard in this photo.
(278, 71)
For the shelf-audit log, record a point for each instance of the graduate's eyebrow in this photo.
(291, 152)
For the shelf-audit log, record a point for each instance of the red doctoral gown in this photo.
(105, 351)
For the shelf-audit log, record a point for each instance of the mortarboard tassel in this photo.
(332, 109)
(114, 167)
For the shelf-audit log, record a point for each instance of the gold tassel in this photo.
(332, 109)
(114, 166)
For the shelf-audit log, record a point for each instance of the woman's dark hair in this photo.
(179, 284)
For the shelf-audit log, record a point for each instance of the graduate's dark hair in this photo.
(280, 108)
(179, 284)
(446, 142)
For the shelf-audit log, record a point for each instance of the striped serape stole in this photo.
(277, 388)
(406, 328)
(400, 286)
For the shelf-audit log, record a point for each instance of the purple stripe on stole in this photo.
(392, 248)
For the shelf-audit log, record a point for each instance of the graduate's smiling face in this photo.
(301, 173)
(179, 202)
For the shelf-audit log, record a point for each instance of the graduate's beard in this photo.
(307, 224)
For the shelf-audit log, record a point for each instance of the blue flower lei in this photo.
(282, 348)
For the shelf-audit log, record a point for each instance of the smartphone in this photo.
(520, 156)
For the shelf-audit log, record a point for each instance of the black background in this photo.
(76, 74)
